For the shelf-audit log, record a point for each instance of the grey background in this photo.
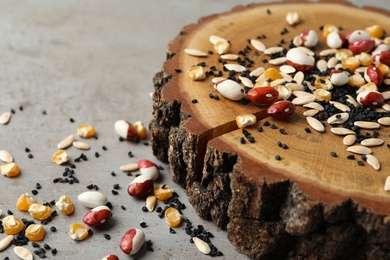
(92, 61)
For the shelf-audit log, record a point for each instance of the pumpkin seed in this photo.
(386, 107)
(5, 156)
(214, 39)
(359, 149)
(332, 62)
(81, 145)
(314, 105)
(277, 82)
(131, 167)
(287, 69)
(195, 52)
(372, 142)
(311, 112)
(322, 65)
(23, 253)
(339, 118)
(341, 131)
(307, 50)
(367, 125)
(352, 101)
(273, 50)
(299, 77)
(327, 52)
(66, 142)
(229, 56)
(6, 242)
(277, 61)
(295, 87)
(315, 124)
(304, 99)
(235, 67)
(340, 106)
(349, 139)
(386, 94)
(258, 45)
(202, 246)
(387, 184)
(373, 161)
(5, 118)
(384, 121)
(257, 72)
(246, 82)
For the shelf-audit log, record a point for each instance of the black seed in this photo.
(90, 186)
(38, 186)
(269, 11)
(351, 157)
(266, 123)
(259, 129)
(71, 120)
(35, 245)
(109, 204)
(97, 155)
(194, 101)
(9, 212)
(360, 163)
(114, 192)
(172, 231)
(107, 236)
(54, 251)
(90, 232)
(242, 140)
(178, 70)
(53, 229)
(283, 131)
(216, 97)
(307, 130)
(333, 154)
(284, 146)
(277, 157)
(143, 224)
(273, 126)
(144, 209)
(123, 207)
(30, 156)
(46, 246)
(158, 209)
(27, 150)
(34, 192)
(113, 174)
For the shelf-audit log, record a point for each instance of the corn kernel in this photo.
(328, 28)
(342, 54)
(24, 202)
(383, 68)
(12, 225)
(323, 83)
(10, 169)
(387, 40)
(350, 63)
(140, 129)
(356, 81)
(196, 73)
(322, 95)
(85, 131)
(272, 74)
(60, 157)
(65, 205)
(375, 31)
(78, 231)
(40, 211)
(222, 47)
(35, 232)
(365, 59)
(172, 217)
(162, 192)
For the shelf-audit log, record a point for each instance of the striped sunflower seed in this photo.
(195, 52)
(359, 149)
(6, 156)
(315, 124)
(349, 139)
(341, 131)
(5, 118)
(372, 142)
(367, 125)
(373, 161)
(258, 45)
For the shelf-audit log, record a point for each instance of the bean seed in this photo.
(149, 169)
(140, 186)
(92, 199)
(132, 241)
(230, 90)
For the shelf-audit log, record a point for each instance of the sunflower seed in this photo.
(214, 39)
(202, 246)
(359, 149)
(384, 121)
(23, 253)
(311, 112)
(287, 69)
(373, 161)
(81, 145)
(304, 99)
(277, 61)
(349, 139)
(258, 45)
(341, 131)
(257, 72)
(367, 125)
(5, 117)
(235, 67)
(315, 124)
(387, 184)
(6, 242)
(246, 82)
(327, 52)
(5, 156)
(229, 56)
(339, 118)
(322, 65)
(314, 105)
(372, 142)
(195, 52)
(131, 167)
(66, 142)
(340, 106)
(273, 50)
(299, 77)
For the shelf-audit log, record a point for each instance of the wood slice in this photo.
(284, 195)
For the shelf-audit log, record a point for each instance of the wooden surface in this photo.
(226, 180)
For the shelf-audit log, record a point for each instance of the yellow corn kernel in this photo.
(40, 211)
(162, 192)
(342, 54)
(65, 205)
(140, 129)
(328, 28)
(356, 81)
(10, 169)
(24, 202)
(272, 74)
(222, 47)
(350, 63)
(78, 231)
(322, 95)
(196, 73)
(375, 31)
(12, 225)
(323, 83)
(365, 59)
(35, 232)
(172, 217)
(60, 157)
(85, 131)
(383, 68)
(387, 40)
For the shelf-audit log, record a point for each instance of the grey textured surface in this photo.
(92, 61)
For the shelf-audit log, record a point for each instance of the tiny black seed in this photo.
(360, 163)
(259, 129)
(34, 192)
(46, 246)
(113, 174)
(194, 101)
(97, 155)
(123, 207)
(242, 140)
(114, 192)
(269, 11)
(333, 154)
(172, 231)
(107, 236)
(277, 157)
(54, 251)
(53, 229)
(283, 131)
(273, 126)
(351, 157)
(38, 186)
(9, 212)
(27, 150)
(143, 224)
(266, 123)
(144, 209)
(307, 130)
(35, 245)
(71, 120)
(30, 156)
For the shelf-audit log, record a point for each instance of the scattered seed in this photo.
(384, 121)
(366, 125)
(202, 246)
(258, 45)
(6, 156)
(373, 161)
(341, 131)
(333, 154)
(81, 145)
(339, 118)
(273, 50)
(131, 167)
(229, 56)
(6, 242)
(372, 142)
(349, 139)
(235, 67)
(66, 142)
(303, 99)
(340, 106)
(359, 149)
(5, 118)
(277, 61)
(277, 157)
(195, 52)
(23, 253)
(387, 184)
(315, 124)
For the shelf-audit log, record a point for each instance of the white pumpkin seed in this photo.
(23, 253)
(231, 90)
(299, 93)
(386, 94)
(299, 77)
(277, 82)
(195, 52)
(386, 107)
(214, 39)
(217, 79)
(229, 56)
(386, 81)
(304, 99)
(81, 145)
(235, 67)
(327, 52)
(339, 118)
(287, 69)
(341, 131)
(332, 62)
(372, 142)
(286, 76)
(257, 72)
(5, 118)
(246, 82)
(258, 45)
(373, 161)
(338, 66)
(315, 124)
(131, 167)
(367, 125)
(359, 149)
(311, 112)
(66, 142)
(151, 202)
(387, 184)
(314, 105)
(6, 242)
(5, 156)
(322, 65)
(361, 69)
(295, 87)
(202, 246)
(284, 92)
(277, 61)
(384, 121)
(273, 50)
(349, 139)
(340, 106)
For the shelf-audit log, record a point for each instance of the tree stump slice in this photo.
(308, 204)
